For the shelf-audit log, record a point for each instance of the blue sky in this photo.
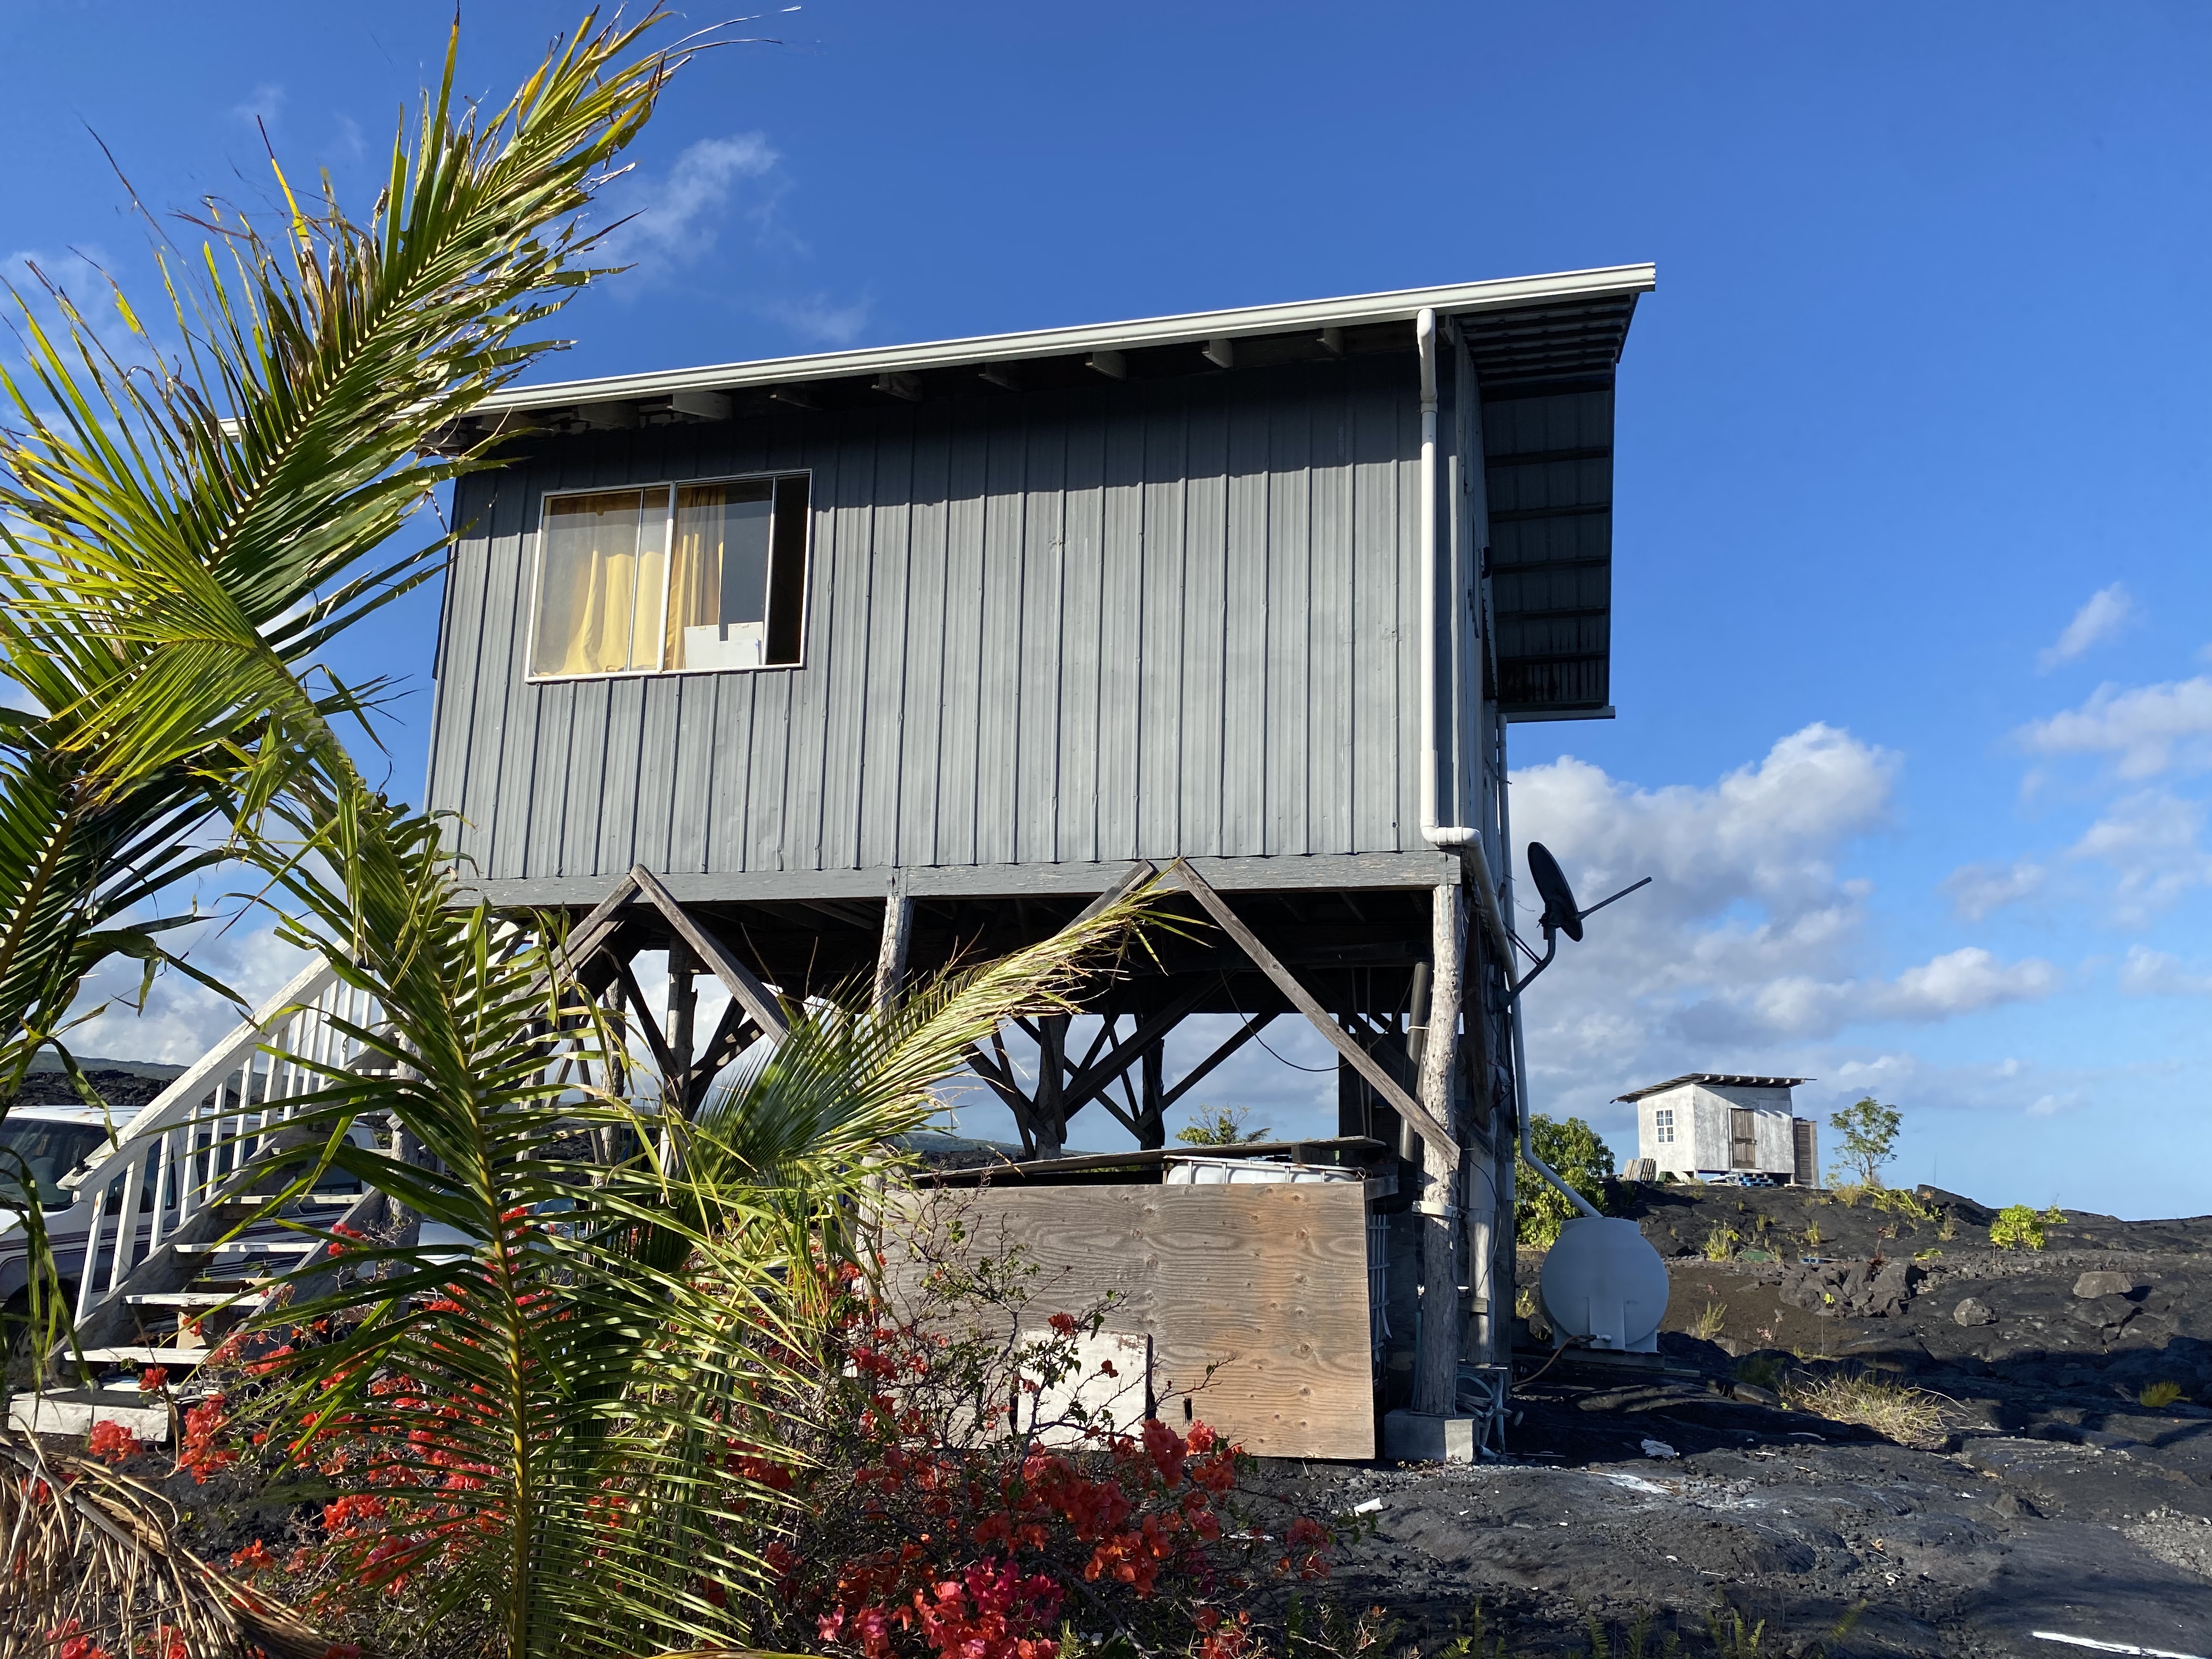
(1911, 624)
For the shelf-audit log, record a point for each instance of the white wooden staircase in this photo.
(164, 1271)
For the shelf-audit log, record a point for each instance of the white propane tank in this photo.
(1605, 1284)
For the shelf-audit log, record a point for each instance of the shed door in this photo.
(1743, 1138)
(1808, 1150)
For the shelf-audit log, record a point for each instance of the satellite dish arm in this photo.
(1622, 894)
(1550, 950)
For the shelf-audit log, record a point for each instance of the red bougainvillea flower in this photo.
(153, 1379)
(111, 1442)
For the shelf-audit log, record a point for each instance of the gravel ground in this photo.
(2048, 1500)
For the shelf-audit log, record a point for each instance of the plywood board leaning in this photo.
(1254, 1297)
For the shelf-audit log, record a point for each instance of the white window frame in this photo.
(669, 487)
(1662, 1126)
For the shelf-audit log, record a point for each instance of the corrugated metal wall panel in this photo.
(1083, 611)
(1035, 776)
(922, 734)
(1284, 719)
(1248, 702)
(1145, 620)
(1205, 622)
(1122, 574)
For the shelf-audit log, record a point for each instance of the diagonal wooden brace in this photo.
(740, 980)
(1415, 1115)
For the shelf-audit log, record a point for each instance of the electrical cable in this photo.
(1262, 1040)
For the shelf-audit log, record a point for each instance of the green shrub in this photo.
(2017, 1228)
(1721, 1242)
(1900, 1201)
(2159, 1394)
(1584, 1162)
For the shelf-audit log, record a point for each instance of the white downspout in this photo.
(1520, 1047)
(1453, 837)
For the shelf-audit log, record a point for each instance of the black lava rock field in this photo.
(2034, 1461)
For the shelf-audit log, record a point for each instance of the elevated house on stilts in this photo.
(818, 668)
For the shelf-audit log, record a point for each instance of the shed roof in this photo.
(1722, 1079)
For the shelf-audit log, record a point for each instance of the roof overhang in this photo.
(1525, 344)
(1714, 1079)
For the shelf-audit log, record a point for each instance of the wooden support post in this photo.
(1435, 1365)
(890, 956)
(682, 1008)
(1052, 1075)
(1152, 1109)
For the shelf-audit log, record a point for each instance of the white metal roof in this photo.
(1717, 1079)
(1400, 305)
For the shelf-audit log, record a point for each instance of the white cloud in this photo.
(2152, 840)
(821, 319)
(1976, 890)
(183, 1019)
(1750, 945)
(2147, 973)
(2144, 730)
(2106, 612)
(675, 218)
(263, 104)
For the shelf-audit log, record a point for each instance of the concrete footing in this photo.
(1416, 1437)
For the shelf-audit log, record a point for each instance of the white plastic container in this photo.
(1201, 1171)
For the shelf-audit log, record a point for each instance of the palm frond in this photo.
(92, 1552)
(180, 533)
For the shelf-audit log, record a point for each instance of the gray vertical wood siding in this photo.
(1149, 619)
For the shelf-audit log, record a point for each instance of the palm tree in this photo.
(182, 532)
(546, 1426)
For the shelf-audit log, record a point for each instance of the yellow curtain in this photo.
(695, 582)
(590, 594)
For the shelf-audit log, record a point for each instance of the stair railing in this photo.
(206, 1125)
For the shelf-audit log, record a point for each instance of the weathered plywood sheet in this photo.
(1254, 1297)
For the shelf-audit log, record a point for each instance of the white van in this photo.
(56, 1140)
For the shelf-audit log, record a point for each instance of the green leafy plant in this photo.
(1721, 1242)
(1867, 1131)
(1220, 1126)
(2017, 1228)
(1901, 1201)
(2160, 1394)
(1812, 1235)
(1582, 1159)
(1711, 1320)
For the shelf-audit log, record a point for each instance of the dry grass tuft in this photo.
(1908, 1415)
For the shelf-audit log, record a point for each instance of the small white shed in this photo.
(1711, 1125)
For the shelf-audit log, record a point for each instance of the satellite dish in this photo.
(1560, 914)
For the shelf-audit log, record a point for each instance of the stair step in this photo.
(75, 1410)
(194, 1299)
(247, 1247)
(322, 1201)
(130, 1355)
